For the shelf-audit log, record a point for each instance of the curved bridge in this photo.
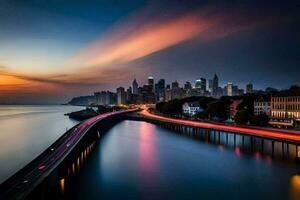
(273, 134)
(24, 181)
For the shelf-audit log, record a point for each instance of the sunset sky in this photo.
(53, 50)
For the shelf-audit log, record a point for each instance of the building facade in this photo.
(160, 90)
(285, 111)
(262, 105)
(135, 87)
(121, 95)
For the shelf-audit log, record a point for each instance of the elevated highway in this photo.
(273, 134)
(24, 181)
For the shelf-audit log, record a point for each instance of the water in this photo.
(25, 131)
(139, 160)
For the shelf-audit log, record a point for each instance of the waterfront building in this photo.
(121, 95)
(262, 105)
(135, 87)
(249, 88)
(285, 110)
(191, 108)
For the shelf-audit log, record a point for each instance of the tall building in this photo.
(146, 95)
(105, 98)
(135, 87)
(168, 93)
(129, 95)
(249, 88)
(203, 84)
(160, 90)
(198, 83)
(210, 85)
(229, 89)
(187, 86)
(215, 86)
(121, 95)
(151, 82)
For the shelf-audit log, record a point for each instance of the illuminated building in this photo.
(262, 105)
(151, 83)
(191, 108)
(285, 110)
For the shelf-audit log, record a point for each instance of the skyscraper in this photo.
(135, 87)
(160, 90)
(151, 82)
(187, 86)
(129, 95)
(198, 83)
(215, 85)
(203, 84)
(229, 89)
(249, 88)
(121, 95)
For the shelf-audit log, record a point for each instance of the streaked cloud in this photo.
(124, 44)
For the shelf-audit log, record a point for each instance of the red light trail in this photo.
(271, 134)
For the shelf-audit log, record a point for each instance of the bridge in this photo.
(274, 134)
(266, 141)
(24, 181)
(76, 140)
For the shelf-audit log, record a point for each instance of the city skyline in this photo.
(92, 47)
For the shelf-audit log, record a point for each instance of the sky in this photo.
(53, 50)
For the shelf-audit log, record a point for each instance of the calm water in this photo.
(25, 131)
(139, 160)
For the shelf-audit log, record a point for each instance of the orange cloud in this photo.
(119, 47)
(130, 41)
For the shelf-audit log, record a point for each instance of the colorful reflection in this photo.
(62, 185)
(295, 187)
(147, 158)
(237, 151)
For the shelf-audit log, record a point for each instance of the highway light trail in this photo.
(283, 135)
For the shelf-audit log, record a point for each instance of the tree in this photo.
(217, 110)
(242, 116)
(259, 120)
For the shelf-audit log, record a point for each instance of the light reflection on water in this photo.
(138, 160)
(25, 131)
